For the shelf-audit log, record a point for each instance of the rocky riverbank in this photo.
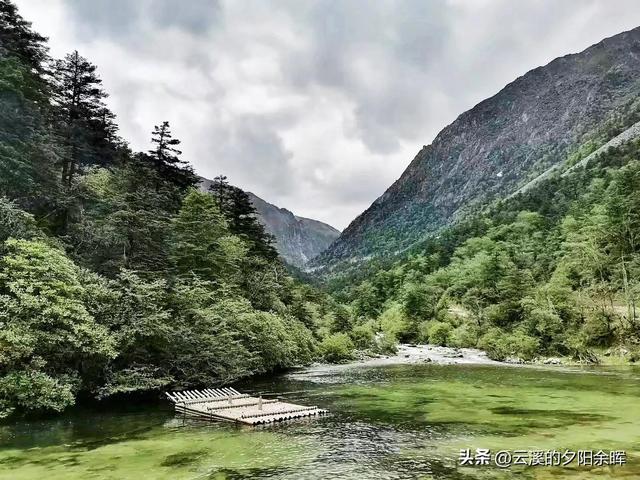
(409, 355)
(412, 354)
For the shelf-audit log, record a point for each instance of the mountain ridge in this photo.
(497, 146)
(297, 239)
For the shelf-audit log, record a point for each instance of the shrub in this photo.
(394, 322)
(597, 329)
(577, 348)
(385, 344)
(420, 301)
(16, 223)
(548, 326)
(465, 336)
(495, 344)
(439, 333)
(305, 344)
(523, 345)
(362, 336)
(500, 345)
(423, 331)
(35, 390)
(336, 348)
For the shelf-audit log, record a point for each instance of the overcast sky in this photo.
(316, 106)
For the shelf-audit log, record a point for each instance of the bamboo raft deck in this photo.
(230, 405)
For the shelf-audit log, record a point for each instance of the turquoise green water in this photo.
(393, 422)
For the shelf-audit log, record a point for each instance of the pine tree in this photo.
(165, 157)
(18, 40)
(198, 231)
(241, 217)
(28, 152)
(83, 118)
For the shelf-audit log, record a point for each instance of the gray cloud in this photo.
(251, 144)
(113, 18)
(314, 105)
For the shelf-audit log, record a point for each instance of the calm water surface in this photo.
(392, 422)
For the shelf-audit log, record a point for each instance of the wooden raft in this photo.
(231, 405)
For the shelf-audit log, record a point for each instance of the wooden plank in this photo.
(252, 402)
(230, 405)
(191, 397)
(285, 411)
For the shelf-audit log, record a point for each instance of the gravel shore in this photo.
(406, 355)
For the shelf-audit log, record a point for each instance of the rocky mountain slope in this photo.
(539, 120)
(297, 239)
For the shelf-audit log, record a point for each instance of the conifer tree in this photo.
(241, 217)
(18, 39)
(28, 152)
(165, 157)
(82, 115)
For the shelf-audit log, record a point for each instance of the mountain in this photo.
(550, 115)
(297, 239)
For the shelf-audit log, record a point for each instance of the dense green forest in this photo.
(553, 271)
(119, 275)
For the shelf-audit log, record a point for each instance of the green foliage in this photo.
(200, 244)
(421, 302)
(49, 340)
(597, 329)
(35, 390)
(363, 336)
(465, 336)
(495, 342)
(524, 346)
(393, 322)
(553, 271)
(337, 347)
(16, 223)
(439, 333)
(385, 344)
(240, 214)
(116, 276)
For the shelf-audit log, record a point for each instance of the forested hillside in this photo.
(493, 149)
(552, 271)
(116, 274)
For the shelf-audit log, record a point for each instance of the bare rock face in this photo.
(297, 239)
(499, 145)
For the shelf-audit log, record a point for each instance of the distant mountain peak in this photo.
(297, 239)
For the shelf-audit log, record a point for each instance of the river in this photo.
(386, 422)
